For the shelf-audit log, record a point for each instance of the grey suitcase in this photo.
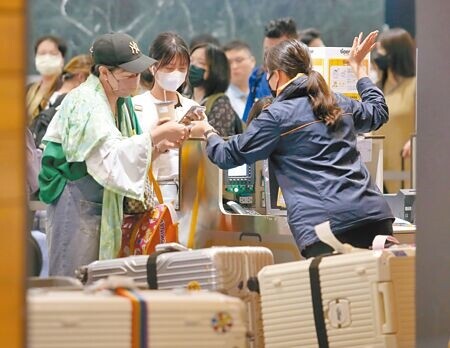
(230, 270)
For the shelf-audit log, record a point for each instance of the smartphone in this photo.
(195, 113)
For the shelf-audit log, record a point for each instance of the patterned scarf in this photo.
(112, 209)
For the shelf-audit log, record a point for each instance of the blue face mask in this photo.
(196, 75)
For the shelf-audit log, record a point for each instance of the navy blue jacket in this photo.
(319, 169)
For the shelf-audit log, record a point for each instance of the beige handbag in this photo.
(134, 206)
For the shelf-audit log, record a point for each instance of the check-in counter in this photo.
(205, 217)
(244, 206)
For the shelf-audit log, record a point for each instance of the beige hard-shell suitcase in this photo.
(77, 319)
(361, 299)
(229, 270)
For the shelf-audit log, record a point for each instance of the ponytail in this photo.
(292, 57)
(322, 100)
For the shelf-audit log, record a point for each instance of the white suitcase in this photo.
(229, 270)
(361, 299)
(76, 319)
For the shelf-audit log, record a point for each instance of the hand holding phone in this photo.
(195, 113)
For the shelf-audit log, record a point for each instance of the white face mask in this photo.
(170, 81)
(49, 64)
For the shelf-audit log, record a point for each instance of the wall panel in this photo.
(12, 173)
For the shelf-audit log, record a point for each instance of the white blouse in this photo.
(166, 166)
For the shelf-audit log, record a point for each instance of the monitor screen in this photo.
(238, 172)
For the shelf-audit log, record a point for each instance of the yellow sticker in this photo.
(193, 286)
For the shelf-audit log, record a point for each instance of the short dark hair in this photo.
(60, 43)
(236, 45)
(167, 46)
(219, 69)
(308, 35)
(202, 39)
(164, 48)
(277, 28)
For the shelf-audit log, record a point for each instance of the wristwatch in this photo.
(209, 131)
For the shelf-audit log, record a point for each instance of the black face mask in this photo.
(196, 75)
(272, 91)
(382, 61)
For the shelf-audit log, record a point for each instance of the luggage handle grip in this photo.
(385, 291)
(250, 234)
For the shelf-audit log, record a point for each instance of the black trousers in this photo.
(360, 237)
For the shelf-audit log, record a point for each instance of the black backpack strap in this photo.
(316, 296)
(58, 100)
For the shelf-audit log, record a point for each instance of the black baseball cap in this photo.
(120, 49)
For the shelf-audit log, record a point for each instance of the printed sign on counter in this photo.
(332, 63)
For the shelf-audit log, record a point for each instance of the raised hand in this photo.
(360, 50)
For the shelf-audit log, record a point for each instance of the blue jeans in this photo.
(73, 226)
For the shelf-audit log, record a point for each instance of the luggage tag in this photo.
(389, 243)
(379, 242)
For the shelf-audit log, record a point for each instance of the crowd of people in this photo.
(96, 121)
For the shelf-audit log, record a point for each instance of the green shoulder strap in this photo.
(211, 100)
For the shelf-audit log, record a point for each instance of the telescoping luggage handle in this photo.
(152, 275)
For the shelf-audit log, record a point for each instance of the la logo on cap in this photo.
(134, 47)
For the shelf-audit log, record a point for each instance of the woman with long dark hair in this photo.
(395, 60)
(309, 135)
(209, 76)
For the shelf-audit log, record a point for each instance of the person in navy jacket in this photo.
(309, 136)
